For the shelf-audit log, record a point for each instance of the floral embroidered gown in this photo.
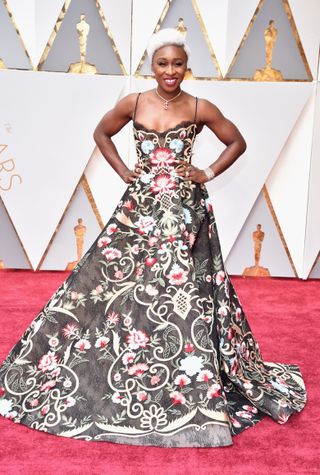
(146, 341)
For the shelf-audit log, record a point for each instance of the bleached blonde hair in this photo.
(166, 37)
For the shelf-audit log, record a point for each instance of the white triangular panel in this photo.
(145, 17)
(265, 114)
(312, 240)
(52, 147)
(35, 20)
(226, 23)
(306, 15)
(120, 26)
(289, 181)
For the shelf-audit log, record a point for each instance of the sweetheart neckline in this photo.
(180, 124)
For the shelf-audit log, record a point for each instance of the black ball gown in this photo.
(146, 342)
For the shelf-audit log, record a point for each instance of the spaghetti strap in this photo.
(135, 108)
(195, 112)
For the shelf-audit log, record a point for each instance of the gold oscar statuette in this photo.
(79, 231)
(2, 64)
(2, 266)
(83, 29)
(181, 27)
(257, 270)
(268, 73)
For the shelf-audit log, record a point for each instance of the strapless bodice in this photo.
(161, 151)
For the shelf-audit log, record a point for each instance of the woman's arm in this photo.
(227, 132)
(109, 125)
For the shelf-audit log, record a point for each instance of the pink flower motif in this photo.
(162, 157)
(69, 330)
(2, 391)
(34, 402)
(111, 228)
(157, 232)
(142, 396)
(189, 347)
(118, 274)
(207, 318)
(138, 369)
(128, 204)
(150, 261)
(208, 278)
(177, 398)
(137, 339)
(213, 391)
(154, 380)
(223, 311)
(182, 380)
(177, 275)
(70, 401)
(238, 314)
(48, 385)
(53, 342)
(101, 342)
(113, 317)
(117, 377)
(128, 358)
(204, 375)
(244, 414)
(104, 241)
(163, 184)
(192, 239)
(99, 289)
(231, 333)
(83, 345)
(48, 362)
(56, 372)
(145, 224)
(135, 249)
(116, 397)
(152, 240)
(220, 277)
(235, 423)
(45, 409)
(139, 271)
(111, 253)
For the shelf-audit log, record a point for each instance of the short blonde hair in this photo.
(167, 37)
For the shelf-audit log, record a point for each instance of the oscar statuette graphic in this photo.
(83, 29)
(268, 73)
(181, 27)
(79, 231)
(2, 266)
(2, 64)
(257, 270)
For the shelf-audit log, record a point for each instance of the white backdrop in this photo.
(51, 174)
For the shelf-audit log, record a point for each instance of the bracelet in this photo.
(210, 173)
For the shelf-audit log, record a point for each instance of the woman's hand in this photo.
(131, 175)
(190, 172)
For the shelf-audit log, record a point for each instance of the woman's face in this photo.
(169, 66)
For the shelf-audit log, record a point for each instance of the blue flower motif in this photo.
(187, 216)
(176, 145)
(162, 249)
(147, 146)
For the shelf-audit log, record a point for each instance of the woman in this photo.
(146, 342)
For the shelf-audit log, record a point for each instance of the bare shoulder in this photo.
(125, 106)
(208, 112)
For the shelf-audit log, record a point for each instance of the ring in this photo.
(187, 173)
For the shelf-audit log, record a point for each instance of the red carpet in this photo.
(284, 315)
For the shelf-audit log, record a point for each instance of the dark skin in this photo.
(169, 65)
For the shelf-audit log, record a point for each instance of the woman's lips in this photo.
(170, 82)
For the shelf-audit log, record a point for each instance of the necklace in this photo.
(166, 101)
